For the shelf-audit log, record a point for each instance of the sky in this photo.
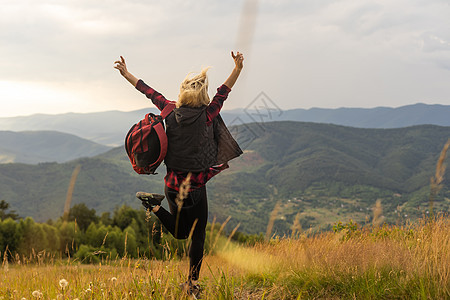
(57, 56)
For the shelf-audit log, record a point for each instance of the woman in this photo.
(199, 146)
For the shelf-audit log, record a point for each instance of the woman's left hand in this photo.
(239, 63)
(238, 59)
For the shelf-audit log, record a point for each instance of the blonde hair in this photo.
(194, 90)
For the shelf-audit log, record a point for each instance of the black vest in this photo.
(191, 143)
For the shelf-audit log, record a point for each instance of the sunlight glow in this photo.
(25, 98)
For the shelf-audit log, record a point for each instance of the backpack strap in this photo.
(159, 129)
(168, 109)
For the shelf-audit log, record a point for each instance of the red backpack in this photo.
(146, 142)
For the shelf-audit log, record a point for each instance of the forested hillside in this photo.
(318, 173)
(330, 173)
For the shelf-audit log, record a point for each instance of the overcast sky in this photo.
(57, 56)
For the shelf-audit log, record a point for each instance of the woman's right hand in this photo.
(121, 66)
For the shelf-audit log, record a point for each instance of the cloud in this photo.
(433, 43)
(328, 52)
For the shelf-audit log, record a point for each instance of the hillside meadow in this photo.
(377, 262)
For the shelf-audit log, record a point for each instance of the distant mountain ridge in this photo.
(33, 147)
(110, 127)
(378, 117)
(325, 173)
(106, 128)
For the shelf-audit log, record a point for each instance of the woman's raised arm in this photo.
(122, 67)
(159, 100)
(238, 65)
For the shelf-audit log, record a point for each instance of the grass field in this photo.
(396, 262)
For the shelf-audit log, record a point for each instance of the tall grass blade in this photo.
(73, 180)
(435, 182)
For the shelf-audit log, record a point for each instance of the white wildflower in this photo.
(63, 283)
(36, 294)
(113, 279)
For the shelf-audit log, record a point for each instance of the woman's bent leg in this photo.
(169, 219)
(197, 210)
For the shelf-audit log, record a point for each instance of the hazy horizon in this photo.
(225, 109)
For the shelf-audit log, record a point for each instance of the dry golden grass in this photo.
(412, 261)
(391, 257)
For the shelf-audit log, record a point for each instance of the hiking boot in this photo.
(191, 289)
(149, 200)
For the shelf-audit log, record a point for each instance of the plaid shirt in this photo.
(173, 179)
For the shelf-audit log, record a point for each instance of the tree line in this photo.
(84, 236)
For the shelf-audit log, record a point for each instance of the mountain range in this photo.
(45, 146)
(109, 128)
(320, 173)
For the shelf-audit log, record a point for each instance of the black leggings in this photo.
(195, 207)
